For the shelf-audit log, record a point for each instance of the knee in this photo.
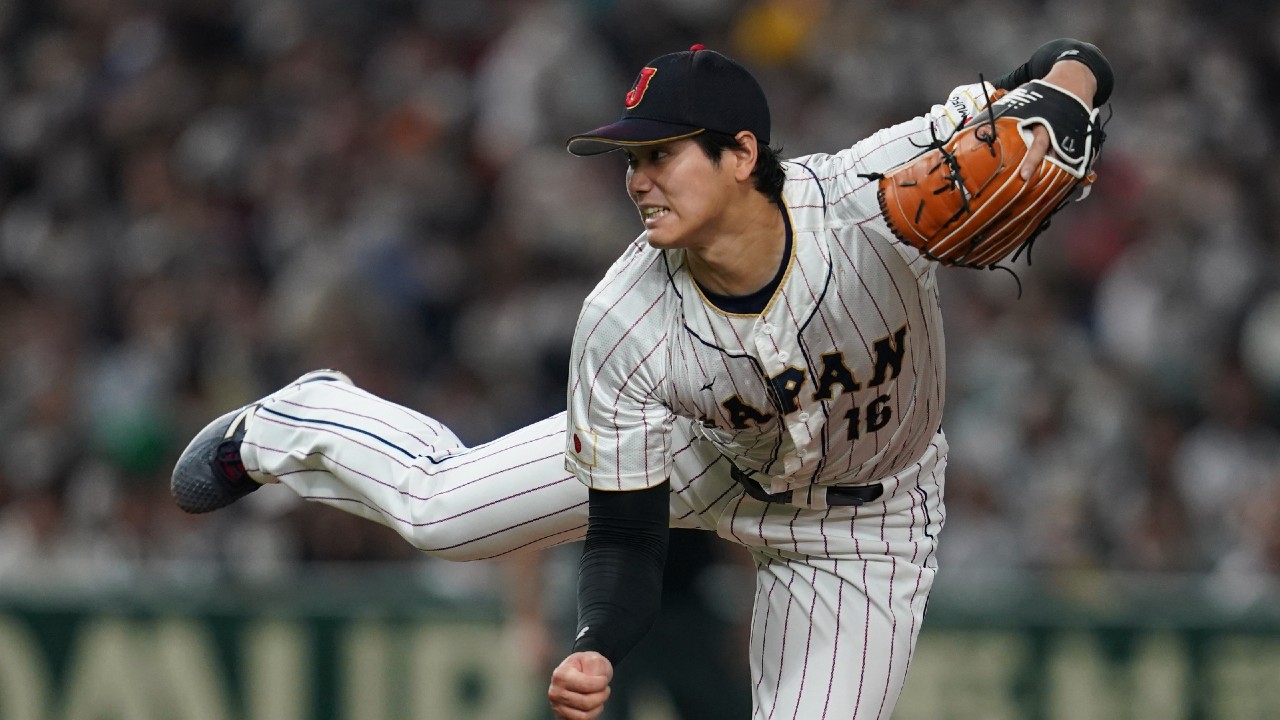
(440, 530)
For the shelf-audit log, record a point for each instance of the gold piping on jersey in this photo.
(791, 261)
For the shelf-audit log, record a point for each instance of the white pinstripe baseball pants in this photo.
(840, 592)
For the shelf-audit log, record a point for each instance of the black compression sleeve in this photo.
(620, 574)
(1063, 49)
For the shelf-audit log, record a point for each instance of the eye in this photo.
(646, 156)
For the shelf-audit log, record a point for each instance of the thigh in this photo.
(834, 637)
(840, 598)
(342, 446)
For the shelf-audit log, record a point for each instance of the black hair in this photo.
(768, 174)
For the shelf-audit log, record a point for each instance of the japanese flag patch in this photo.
(582, 446)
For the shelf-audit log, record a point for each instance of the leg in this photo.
(829, 640)
(337, 444)
(840, 597)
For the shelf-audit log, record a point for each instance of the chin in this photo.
(662, 241)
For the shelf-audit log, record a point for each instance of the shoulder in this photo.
(641, 271)
(835, 201)
(809, 188)
(827, 191)
(628, 298)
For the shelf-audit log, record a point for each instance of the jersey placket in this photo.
(778, 351)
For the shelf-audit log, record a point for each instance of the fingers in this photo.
(578, 707)
(580, 686)
(594, 663)
(1039, 148)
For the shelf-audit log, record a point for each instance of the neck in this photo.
(745, 255)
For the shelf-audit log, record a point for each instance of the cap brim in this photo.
(628, 132)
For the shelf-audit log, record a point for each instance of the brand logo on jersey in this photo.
(642, 83)
(957, 104)
(582, 446)
(888, 353)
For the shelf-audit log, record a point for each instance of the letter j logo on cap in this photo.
(642, 83)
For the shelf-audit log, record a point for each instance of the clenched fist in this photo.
(579, 686)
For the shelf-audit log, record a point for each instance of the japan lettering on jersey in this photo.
(840, 380)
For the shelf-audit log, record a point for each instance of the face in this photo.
(682, 195)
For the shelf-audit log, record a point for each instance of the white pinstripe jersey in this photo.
(840, 380)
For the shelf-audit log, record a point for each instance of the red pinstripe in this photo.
(617, 405)
(835, 643)
(866, 626)
(391, 456)
(915, 549)
(764, 631)
(404, 521)
(782, 651)
(931, 421)
(808, 644)
(428, 423)
(893, 630)
(476, 539)
(603, 315)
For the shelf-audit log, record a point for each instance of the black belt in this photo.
(836, 494)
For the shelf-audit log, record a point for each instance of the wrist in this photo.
(1068, 53)
(1075, 77)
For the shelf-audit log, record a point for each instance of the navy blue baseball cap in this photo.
(679, 95)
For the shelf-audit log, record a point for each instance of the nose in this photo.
(638, 182)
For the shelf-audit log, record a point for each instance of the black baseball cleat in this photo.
(209, 474)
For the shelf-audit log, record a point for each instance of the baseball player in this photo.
(764, 362)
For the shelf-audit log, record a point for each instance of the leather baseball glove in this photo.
(962, 202)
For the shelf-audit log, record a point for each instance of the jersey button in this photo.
(803, 417)
(783, 357)
(767, 329)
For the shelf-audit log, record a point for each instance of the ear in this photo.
(744, 155)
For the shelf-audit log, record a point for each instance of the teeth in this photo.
(653, 212)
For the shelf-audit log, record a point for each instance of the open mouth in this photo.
(653, 213)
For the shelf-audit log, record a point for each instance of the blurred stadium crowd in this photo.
(200, 200)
